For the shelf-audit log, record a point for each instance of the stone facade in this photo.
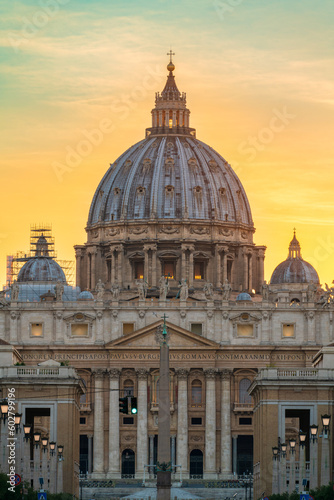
(170, 233)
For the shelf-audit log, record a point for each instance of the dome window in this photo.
(295, 302)
(197, 189)
(222, 191)
(140, 190)
(139, 270)
(117, 191)
(169, 189)
(199, 268)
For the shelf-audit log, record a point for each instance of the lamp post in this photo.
(37, 458)
(325, 458)
(282, 478)
(275, 451)
(53, 466)
(302, 471)
(292, 477)
(26, 450)
(60, 449)
(313, 456)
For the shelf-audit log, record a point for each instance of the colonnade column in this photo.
(119, 249)
(261, 268)
(210, 424)
(225, 425)
(151, 439)
(142, 445)
(250, 271)
(114, 458)
(78, 256)
(245, 280)
(93, 253)
(191, 265)
(235, 452)
(98, 457)
(90, 453)
(182, 420)
(146, 264)
(173, 438)
(183, 262)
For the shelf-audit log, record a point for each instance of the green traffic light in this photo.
(134, 410)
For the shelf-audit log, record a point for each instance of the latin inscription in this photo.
(154, 356)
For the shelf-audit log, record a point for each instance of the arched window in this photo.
(244, 397)
(196, 392)
(196, 464)
(128, 388)
(128, 464)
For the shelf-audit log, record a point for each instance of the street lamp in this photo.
(292, 443)
(60, 451)
(302, 439)
(45, 441)
(284, 447)
(18, 417)
(27, 430)
(4, 409)
(314, 432)
(275, 452)
(37, 438)
(325, 424)
(52, 448)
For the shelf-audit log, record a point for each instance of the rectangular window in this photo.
(82, 420)
(128, 420)
(79, 330)
(196, 328)
(288, 330)
(128, 328)
(36, 329)
(245, 421)
(199, 270)
(169, 270)
(196, 421)
(139, 270)
(245, 330)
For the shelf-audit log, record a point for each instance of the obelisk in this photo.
(164, 465)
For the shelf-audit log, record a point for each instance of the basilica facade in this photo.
(170, 235)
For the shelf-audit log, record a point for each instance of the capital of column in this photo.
(114, 373)
(119, 248)
(225, 374)
(222, 249)
(150, 246)
(92, 250)
(185, 247)
(98, 372)
(142, 373)
(247, 251)
(182, 373)
(210, 373)
(78, 252)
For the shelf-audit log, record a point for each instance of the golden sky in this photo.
(259, 83)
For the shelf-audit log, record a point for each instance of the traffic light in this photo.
(134, 408)
(124, 405)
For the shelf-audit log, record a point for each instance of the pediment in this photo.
(179, 338)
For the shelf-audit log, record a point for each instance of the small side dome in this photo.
(244, 296)
(294, 269)
(41, 269)
(85, 295)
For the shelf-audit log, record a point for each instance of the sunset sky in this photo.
(259, 80)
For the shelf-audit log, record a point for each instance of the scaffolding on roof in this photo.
(42, 243)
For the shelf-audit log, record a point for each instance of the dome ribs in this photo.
(155, 192)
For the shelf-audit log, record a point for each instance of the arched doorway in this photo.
(196, 464)
(128, 464)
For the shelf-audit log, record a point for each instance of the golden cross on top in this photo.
(171, 54)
